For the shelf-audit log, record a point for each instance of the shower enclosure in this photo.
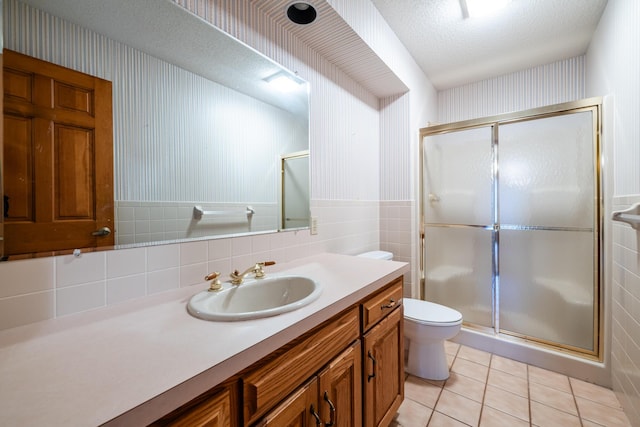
(511, 220)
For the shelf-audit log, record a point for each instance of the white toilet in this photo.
(426, 325)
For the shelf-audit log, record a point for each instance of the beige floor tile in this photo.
(421, 391)
(546, 416)
(549, 379)
(470, 369)
(412, 414)
(473, 355)
(601, 414)
(555, 398)
(439, 383)
(505, 381)
(594, 392)
(507, 402)
(451, 348)
(465, 386)
(509, 366)
(493, 418)
(459, 408)
(450, 359)
(441, 420)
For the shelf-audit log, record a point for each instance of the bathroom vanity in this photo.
(339, 359)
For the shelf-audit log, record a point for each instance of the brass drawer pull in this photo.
(392, 303)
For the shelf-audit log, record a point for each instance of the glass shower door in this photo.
(458, 222)
(547, 187)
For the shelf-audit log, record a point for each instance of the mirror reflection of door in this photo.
(58, 157)
(295, 190)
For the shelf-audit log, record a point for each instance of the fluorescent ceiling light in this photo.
(477, 8)
(283, 82)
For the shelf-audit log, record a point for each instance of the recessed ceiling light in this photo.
(475, 8)
(301, 13)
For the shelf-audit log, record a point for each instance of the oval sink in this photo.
(255, 298)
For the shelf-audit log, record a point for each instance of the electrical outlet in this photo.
(314, 225)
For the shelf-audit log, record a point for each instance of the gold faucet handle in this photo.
(212, 276)
(259, 272)
(215, 284)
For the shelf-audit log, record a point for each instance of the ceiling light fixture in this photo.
(283, 82)
(301, 13)
(475, 8)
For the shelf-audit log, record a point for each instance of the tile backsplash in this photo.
(45, 288)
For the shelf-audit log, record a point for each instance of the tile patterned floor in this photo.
(489, 391)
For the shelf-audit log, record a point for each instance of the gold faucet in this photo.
(215, 284)
(257, 270)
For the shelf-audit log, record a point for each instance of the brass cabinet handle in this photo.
(332, 411)
(392, 303)
(373, 360)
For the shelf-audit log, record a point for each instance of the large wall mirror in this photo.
(200, 125)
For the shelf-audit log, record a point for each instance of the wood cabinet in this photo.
(346, 372)
(384, 370)
(331, 398)
(272, 379)
(217, 408)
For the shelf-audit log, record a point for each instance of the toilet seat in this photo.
(429, 313)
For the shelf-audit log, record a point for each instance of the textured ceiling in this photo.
(454, 51)
(335, 40)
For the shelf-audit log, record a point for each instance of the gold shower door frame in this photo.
(593, 105)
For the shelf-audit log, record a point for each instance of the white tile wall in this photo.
(398, 228)
(625, 312)
(613, 67)
(143, 221)
(35, 290)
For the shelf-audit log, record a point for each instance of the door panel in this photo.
(341, 389)
(458, 177)
(547, 176)
(297, 410)
(58, 149)
(459, 273)
(546, 285)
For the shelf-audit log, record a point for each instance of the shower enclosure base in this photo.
(534, 354)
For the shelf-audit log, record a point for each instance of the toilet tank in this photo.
(377, 255)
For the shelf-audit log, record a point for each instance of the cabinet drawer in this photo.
(216, 408)
(264, 386)
(381, 304)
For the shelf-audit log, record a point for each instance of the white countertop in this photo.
(131, 363)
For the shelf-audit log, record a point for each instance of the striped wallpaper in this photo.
(554, 83)
(344, 129)
(177, 136)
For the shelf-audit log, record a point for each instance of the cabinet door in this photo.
(298, 410)
(213, 412)
(383, 370)
(340, 398)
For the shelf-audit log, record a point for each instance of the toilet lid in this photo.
(430, 313)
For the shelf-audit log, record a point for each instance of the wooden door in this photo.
(213, 412)
(383, 375)
(58, 157)
(298, 410)
(340, 398)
